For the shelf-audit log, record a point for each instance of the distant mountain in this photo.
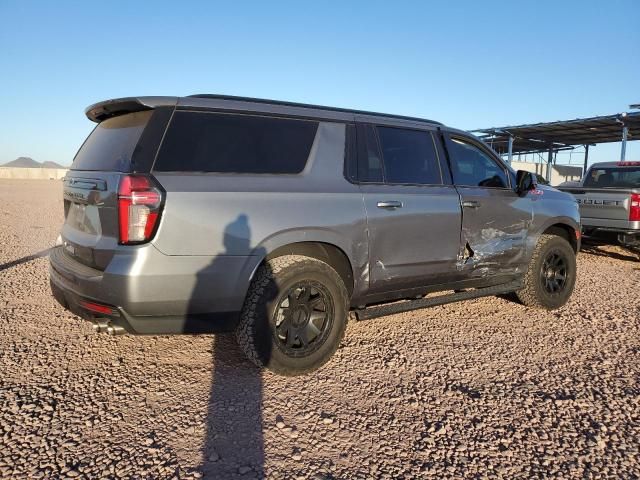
(23, 162)
(26, 162)
(49, 164)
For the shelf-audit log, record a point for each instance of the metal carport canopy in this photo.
(561, 135)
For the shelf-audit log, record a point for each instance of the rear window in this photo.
(627, 177)
(226, 143)
(111, 144)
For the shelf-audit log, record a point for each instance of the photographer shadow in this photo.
(233, 445)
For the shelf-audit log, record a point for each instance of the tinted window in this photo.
(409, 156)
(472, 167)
(369, 162)
(212, 142)
(613, 178)
(111, 144)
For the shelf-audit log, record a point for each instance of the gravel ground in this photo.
(482, 389)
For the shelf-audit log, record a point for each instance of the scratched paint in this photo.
(487, 249)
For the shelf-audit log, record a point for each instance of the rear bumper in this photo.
(624, 231)
(624, 236)
(611, 225)
(151, 293)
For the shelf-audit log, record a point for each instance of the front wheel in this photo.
(294, 316)
(551, 275)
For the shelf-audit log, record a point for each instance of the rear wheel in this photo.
(551, 275)
(294, 316)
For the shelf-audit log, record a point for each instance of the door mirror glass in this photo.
(526, 181)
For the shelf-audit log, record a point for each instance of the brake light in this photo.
(634, 207)
(139, 202)
(628, 164)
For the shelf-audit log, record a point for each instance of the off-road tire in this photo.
(534, 293)
(255, 332)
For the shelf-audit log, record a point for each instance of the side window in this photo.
(226, 143)
(472, 167)
(369, 162)
(409, 156)
(350, 153)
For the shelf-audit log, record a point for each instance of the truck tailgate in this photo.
(604, 207)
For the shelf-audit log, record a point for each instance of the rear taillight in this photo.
(139, 202)
(634, 207)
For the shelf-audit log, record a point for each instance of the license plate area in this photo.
(84, 218)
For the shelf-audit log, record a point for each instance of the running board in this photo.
(407, 306)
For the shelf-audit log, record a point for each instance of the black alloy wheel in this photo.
(303, 318)
(553, 273)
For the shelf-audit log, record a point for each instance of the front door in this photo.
(495, 219)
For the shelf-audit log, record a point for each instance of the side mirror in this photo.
(525, 182)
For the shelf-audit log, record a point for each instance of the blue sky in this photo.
(470, 64)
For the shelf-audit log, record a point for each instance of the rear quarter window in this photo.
(111, 144)
(228, 143)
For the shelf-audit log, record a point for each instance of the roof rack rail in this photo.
(306, 105)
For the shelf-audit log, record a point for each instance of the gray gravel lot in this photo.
(482, 389)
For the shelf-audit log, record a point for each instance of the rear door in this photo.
(495, 220)
(118, 145)
(413, 214)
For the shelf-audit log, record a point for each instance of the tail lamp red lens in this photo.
(634, 207)
(139, 202)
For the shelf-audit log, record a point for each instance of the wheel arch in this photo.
(329, 253)
(565, 231)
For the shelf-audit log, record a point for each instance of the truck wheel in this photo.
(551, 275)
(294, 316)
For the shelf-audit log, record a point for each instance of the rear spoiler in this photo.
(119, 106)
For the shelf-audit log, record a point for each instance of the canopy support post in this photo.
(510, 158)
(549, 163)
(586, 159)
(623, 150)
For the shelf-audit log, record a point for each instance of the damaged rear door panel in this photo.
(495, 219)
(413, 212)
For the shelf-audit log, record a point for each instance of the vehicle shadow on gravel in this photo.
(28, 258)
(594, 249)
(510, 297)
(233, 445)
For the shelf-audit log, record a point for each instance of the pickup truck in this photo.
(609, 199)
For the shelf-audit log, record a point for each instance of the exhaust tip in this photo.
(115, 330)
(100, 327)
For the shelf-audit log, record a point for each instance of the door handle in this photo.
(391, 204)
(471, 204)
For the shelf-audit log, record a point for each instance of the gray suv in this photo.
(279, 221)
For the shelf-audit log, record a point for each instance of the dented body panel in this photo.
(494, 234)
(551, 207)
(417, 244)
